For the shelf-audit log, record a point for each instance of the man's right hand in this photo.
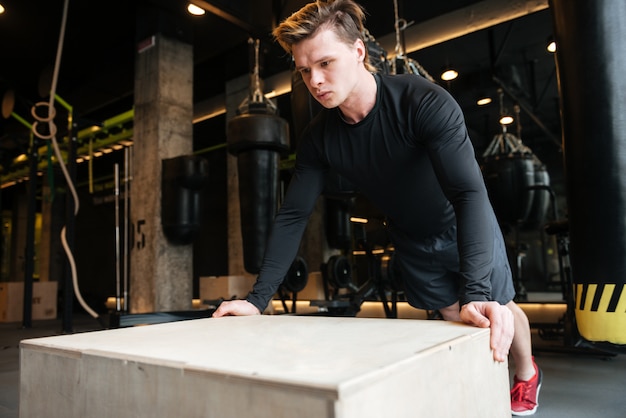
(235, 308)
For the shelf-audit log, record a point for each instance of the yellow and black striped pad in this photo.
(601, 312)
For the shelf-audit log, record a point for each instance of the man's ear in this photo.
(360, 49)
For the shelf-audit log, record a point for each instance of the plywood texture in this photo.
(266, 366)
(12, 301)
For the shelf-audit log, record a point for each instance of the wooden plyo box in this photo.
(266, 366)
(12, 301)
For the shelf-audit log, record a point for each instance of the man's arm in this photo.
(453, 157)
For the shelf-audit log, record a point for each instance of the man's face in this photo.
(329, 67)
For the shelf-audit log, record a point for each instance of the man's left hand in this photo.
(499, 318)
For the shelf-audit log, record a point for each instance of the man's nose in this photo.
(316, 78)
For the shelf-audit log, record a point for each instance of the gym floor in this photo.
(577, 383)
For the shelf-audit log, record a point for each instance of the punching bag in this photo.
(591, 58)
(540, 199)
(508, 169)
(258, 137)
(183, 179)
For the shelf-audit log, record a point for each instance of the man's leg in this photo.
(521, 348)
(528, 379)
(451, 313)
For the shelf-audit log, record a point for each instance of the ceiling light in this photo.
(483, 100)
(506, 120)
(358, 220)
(449, 74)
(195, 10)
(1, 9)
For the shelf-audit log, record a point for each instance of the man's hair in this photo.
(344, 17)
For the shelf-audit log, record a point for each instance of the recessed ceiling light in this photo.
(195, 10)
(506, 120)
(449, 74)
(483, 101)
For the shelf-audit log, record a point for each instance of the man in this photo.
(402, 141)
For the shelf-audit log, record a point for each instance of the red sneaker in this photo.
(525, 393)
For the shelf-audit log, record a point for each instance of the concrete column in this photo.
(161, 273)
(591, 60)
(236, 91)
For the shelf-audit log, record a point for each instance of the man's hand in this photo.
(235, 308)
(499, 318)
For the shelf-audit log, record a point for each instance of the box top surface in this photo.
(313, 351)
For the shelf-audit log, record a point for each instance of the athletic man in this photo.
(402, 141)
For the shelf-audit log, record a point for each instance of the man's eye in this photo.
(305, 71)
(325, 63)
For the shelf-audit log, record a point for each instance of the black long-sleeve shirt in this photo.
(411, 156)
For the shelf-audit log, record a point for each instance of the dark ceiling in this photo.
(97, 63)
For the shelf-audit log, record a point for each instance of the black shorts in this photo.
(429, 269)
